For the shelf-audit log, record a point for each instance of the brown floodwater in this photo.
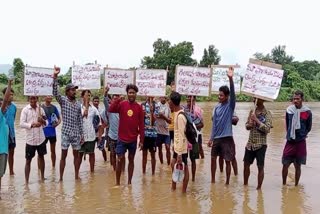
(96, 193)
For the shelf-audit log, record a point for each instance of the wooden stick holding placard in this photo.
(264, 63)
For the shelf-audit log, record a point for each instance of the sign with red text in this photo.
(38, 81)
(87, 76)
(220, 78)
(151, 82)
(262, 82)
(118, 79)
(193, 80)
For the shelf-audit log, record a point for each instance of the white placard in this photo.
(193, 80)
(151, 82)
(87, 76)
(220, 78)
(262, 82)
(38, 81)
(118, 79)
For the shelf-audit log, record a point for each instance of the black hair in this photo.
(132, 86)
(4, 90)
(1, 99)
(113, 95)
(298, 92)
(225, 90)
(95, 98)
(175, 98)
(84, 91)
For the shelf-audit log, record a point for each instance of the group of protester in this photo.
(122, 122)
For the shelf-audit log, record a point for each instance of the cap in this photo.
(71, 86)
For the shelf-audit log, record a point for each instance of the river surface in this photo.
(96, 193)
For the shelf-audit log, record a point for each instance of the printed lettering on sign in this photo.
(87, 76)
(38, 81)
(220, 78)
(193, 80)
(151, 82)
(262, 82)
(118, 79)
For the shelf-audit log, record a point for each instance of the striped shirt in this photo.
(71, 113)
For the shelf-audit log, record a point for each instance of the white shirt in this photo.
(34, 136)
(89, 133)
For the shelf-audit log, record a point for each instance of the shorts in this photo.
(52, 140)
(88, 147)
(258, 154)
(224, 147)
(3, 164)
(171, 133)
(150, 144)
(100, 145)
(66, 140)
(295, 153)
(31, 150)
(163, 139)
(184, 157)
(112, 145)
(194, 152)
(122, 147)
(12, 142)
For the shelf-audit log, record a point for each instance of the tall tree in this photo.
(18, 70)
(210, 57)
(167, 55)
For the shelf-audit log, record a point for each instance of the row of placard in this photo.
(258, 80)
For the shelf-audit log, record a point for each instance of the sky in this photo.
(119, 33)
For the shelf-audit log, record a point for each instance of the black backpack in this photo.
(190, 130)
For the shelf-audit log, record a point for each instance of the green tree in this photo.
(168, 56)
(18, 70)
(210, 57)
(65, 78)
(3, 79)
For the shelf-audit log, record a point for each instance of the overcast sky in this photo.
(119, 33)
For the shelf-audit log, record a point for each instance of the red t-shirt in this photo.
(131, 120)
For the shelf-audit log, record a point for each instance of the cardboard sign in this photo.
(193, 80)
(38, 81)
(118, 79)
(151, 82)
(86, 76)
(220, 78)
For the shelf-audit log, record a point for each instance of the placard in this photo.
(118, 79)
(262, 82)
(220, 78)
(87, 76)
(38, 81)
(193, 80)
(151, 82)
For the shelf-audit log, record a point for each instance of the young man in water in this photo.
(259, 123)
(221, 134)
(10, 115)
(298, 124)
(54, 119)
(180, 144)
(72, 126)
(195, 113)
(33, 120)
(4, 132)
(131, 124)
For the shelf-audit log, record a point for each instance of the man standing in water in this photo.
(53, 117)
(259, 123)
(298, 123)
(180, 144)
(131, 124)
(33, 120)
(221, 134)
(72, 128)
(195, 113)
(10, 115)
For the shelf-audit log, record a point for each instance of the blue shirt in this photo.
(113, 119)
(10, 116)
(4, 133)
(222, 116)
(52, 115)
(150, 130)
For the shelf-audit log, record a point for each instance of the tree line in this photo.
(303, 75)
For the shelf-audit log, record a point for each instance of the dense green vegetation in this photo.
(303, 75)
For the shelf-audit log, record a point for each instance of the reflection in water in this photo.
(96, 193)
